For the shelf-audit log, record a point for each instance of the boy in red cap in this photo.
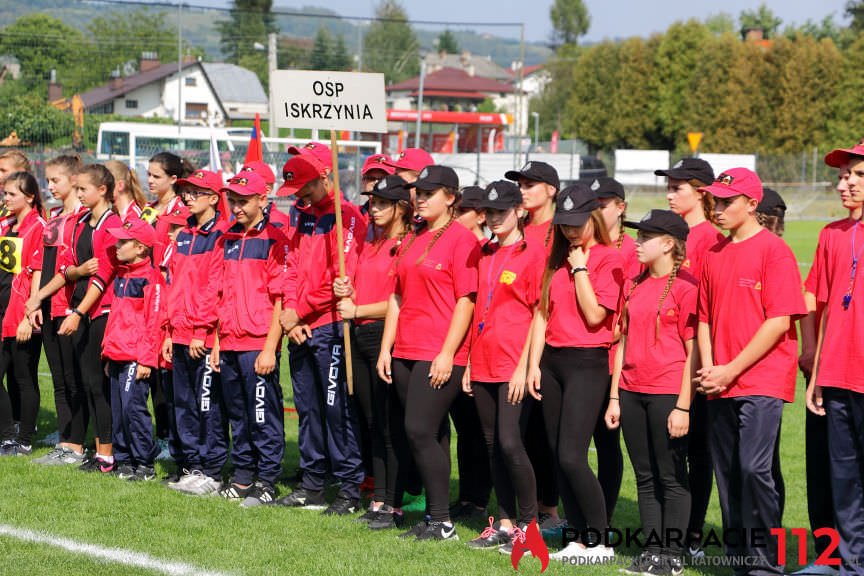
(190, 327)
(131, 346)
(836, 387)
(276, 216)
(410, 162)
(317, 150)
(327, 427)
(749, 295)
(247, 278)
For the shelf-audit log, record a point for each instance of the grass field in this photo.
(216, 536)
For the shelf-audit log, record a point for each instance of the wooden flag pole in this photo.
(346, 325)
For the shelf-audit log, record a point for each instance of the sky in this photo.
(609, 18)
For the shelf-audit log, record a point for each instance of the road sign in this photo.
(694, 138)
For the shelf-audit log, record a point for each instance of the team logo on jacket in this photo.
(530, 541)
(686, 263)
(507, 277)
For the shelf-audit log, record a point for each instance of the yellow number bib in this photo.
(11, 248)
(149, 215)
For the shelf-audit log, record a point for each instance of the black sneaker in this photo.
(342, 506)
(415, 530)
(676, 566)
(123, 471)
(14, 448)
(657, 566)
(516, 534)
(303, 498)
(639, 565)
(546, 521)
(143, 473)
(370, 513)
(387, 518)
(234, 492)
(438, 531)
(490, 538)
(260, 494)
(96, 464)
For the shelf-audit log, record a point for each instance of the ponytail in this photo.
(707, 200)
(123, 173)
(100, 176)
(69, 163)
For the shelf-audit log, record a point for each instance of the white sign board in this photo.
(722, 162)
(636, 167)
(329, 100)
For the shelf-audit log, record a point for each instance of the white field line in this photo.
(117, 555)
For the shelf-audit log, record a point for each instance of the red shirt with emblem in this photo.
(375, 278)
(654, 363)
(840, 360)
(430, 289)
(567, 326)
(742, 285)
(538, 234)
(510, 280)
(701, 237)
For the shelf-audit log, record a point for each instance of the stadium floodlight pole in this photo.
(420, 102)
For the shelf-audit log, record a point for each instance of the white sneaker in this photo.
(572, 549)
(188, 478)
(598, 553)
(818, 569)
(203, 485)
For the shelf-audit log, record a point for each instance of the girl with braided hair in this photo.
(651, 385)
(427, 321)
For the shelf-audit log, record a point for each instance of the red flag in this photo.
(255, 152)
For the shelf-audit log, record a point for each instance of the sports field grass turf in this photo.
(218, 536)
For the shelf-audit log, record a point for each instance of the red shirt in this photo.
(56, 239)
(132, 333)
(655, 365)
(538, 234)
(567, 326)
(30, 233)
(742, 285)
(840, 362)
(375, 278)
(131, 212)
(508, 290)
(429, 291)
(811, 284)
(162, 227)
(700, 239)
(632, 267)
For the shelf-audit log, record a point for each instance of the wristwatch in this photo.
(579, 269)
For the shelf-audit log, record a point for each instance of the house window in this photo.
(107, 108)
(131, 104)
(191, 81)
(196, 110)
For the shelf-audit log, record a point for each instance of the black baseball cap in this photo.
(606, 187)
(435, 176)
(689, 169)
(537, 171)
(772, 203)
(575, 204)
(501, 195)
(392, 188)
(662, 222)
(471, 197)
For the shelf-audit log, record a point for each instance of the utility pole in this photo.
(179, 64)
(272, 65)
(420, 102)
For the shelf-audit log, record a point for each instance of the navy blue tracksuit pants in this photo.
(328, 430)
(257, 417)
(744, 433)
(202, 425)
(132, 425)
(845, 412)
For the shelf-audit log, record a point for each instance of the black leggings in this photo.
(88, 344)
(475, 477)
(660, 465)
(19, 363)
(504, 426)
(70, 399)
(610, 460)
(701, 475)
(371, 394)
(426, 408)
(573, 384)
(542, 459)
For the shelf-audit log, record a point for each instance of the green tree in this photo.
(552, 102)
(340, 59)
(447, 43)
(720, 23)
(248, 24)
(855, 11)
(632, 121)
(36, 121)
(847, 107)
(570, 20)
(41, 42)
(589, 105)
(763, 18)
(391, 46)
(321, 49)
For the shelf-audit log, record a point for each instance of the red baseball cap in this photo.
(203, 179)
(260, 168)
(298, 171)
(379, 162)
(412, 159)
(321, 152)
(135, 229)
(247, 184)
(839, 157)
(179, 215)
(734, 182)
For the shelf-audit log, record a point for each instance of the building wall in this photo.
(148, 98)
(200, 93)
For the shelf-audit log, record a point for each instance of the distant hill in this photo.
(198, 27)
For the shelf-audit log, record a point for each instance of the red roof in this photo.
(450, 94)
(106, 93)
(528, 70)
(451, 80)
